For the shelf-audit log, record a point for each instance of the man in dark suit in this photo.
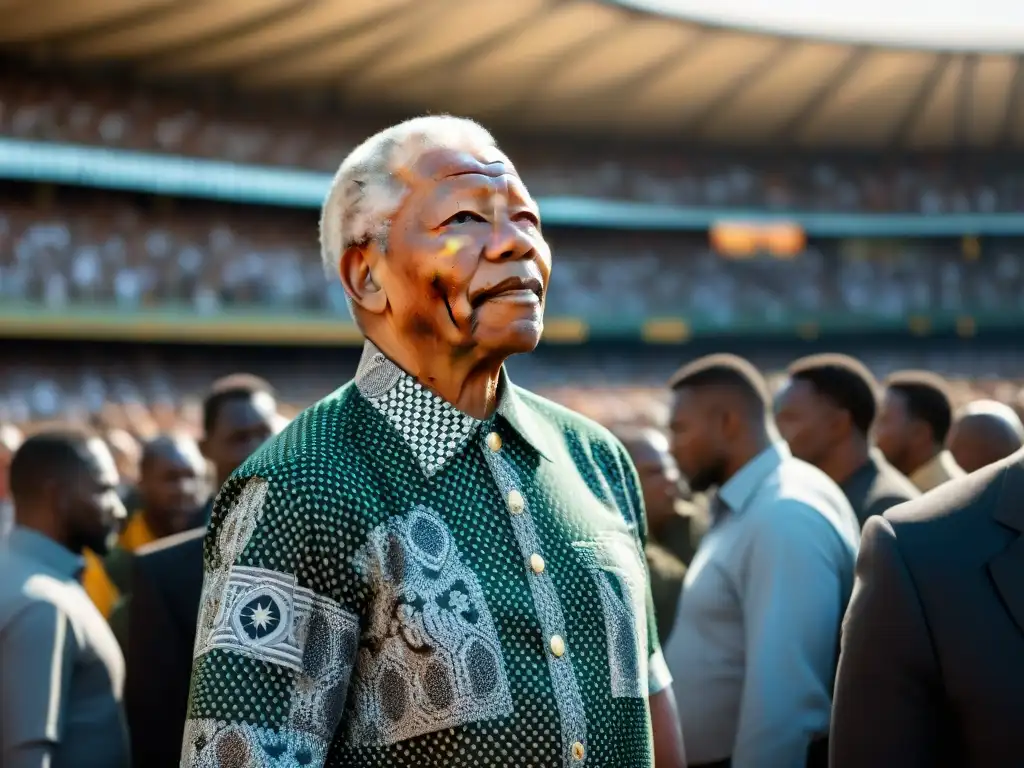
(932, 666)
(239, 414)
(825, 413)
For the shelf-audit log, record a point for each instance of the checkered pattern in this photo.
(362, 458)
(433, 429)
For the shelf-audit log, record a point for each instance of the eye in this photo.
(529, 217)
(462, 217)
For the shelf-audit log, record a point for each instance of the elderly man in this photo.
(432, 566)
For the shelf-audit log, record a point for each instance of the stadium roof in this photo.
(586, 65)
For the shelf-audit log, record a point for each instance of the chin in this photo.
(516, 338)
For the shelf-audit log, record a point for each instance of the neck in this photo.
(921, 456)
(845, 458)
(467, 380)
(747, 447)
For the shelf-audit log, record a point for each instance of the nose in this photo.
(508, 243)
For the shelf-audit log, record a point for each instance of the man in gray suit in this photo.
(61, 671)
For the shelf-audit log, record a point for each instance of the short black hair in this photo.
(723, 370)
(844, 381)
(52, 454)
(238, 386)
(926, 395)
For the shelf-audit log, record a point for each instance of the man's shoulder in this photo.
(312, 444)
(15, 572)
(964, 500)
(890, 483)
(171, 549)
(805, 498)
(28, 585)
(566, 420)
(800, 483)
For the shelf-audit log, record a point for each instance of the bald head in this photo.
(985, 432)
(659, 476)
(168, 446)
(10, 440)
(642, 444)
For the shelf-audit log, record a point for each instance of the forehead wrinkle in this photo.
(483, 188)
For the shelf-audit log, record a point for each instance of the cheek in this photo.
(543, 259)
(434, 271)
(687, 450)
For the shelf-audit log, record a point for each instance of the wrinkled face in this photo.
(466, 263)
(698, 438)
(892, 430)
(173, 487)
(804, 419)
(89, 502)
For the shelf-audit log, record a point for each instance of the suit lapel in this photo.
(1007, 568)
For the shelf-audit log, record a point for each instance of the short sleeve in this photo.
(658, 675)
(278, 630)
(37, 655)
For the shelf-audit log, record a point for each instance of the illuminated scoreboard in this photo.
(741, 240)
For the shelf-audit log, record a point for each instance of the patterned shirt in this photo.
(391, 582)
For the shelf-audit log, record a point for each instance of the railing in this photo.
(176, 176)
(259, 327)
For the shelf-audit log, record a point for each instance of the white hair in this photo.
(371, 183)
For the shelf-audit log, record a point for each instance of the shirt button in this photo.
(578, 751)
(494, 442)
(537, 563)
(516, 502)
(557, 646)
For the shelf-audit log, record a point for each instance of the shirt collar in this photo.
(42, 548)
(935, 471)
(434, 429)
(738, 489)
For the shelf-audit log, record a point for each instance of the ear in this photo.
(52, 495)
(728, 420)
(356, 273)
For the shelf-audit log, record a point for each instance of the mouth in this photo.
(518, 290)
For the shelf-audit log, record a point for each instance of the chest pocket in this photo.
(616, 565)
(431, 657)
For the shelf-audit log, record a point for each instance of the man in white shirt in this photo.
(754, 647)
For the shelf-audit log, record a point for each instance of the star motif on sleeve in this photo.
(260, 617)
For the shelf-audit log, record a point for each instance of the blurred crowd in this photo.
(144, 389)
(66, 247)
(172, 457)
(115, 114)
